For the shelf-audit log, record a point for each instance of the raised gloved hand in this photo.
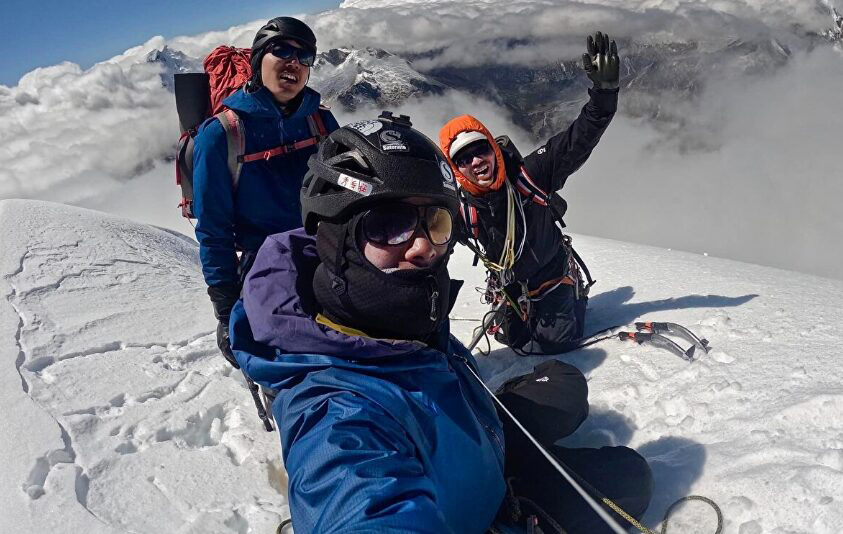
(224, 343)
(601, 63)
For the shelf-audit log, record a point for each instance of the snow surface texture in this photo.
(119, 415)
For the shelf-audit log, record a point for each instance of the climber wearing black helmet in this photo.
(350, 326)
(279, 114)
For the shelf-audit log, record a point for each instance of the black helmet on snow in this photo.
(277, 29)
(369, 161)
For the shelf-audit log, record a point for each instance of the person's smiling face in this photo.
(285, 78)
(477, 163)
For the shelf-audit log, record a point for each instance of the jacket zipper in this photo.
(489, 430)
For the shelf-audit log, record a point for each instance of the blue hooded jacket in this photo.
(267, 198)
(377, 435)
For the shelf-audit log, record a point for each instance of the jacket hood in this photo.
(280, 305)
(467, 123)
(261, 103)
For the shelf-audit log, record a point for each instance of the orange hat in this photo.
(448, 137)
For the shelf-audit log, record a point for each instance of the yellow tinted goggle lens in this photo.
(396, 224)
(439, 225)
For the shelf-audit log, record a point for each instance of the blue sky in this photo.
(41, 33)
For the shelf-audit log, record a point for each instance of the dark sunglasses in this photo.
(467, 154)
(396, 224)
(287, 51)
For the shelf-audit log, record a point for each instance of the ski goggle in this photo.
(396, 224)
(474, 150)
(287, 51)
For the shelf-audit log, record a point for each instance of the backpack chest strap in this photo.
(236, 140)
(278, 151)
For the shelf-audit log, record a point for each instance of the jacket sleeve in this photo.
(564, 153)
(213, 204)
(352, 467)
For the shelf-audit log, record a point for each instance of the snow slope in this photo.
(118, 415)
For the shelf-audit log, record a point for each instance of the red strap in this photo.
(280, 150)
(470, 218)
(530, 189)
(320, 126)
(530, 180)
(320, 132)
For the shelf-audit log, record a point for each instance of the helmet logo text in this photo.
(391, 141)
(355, 184)
(366, 127)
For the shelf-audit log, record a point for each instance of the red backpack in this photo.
(199, 96)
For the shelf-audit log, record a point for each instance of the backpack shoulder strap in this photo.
(317, 124)
(555, 203)
(528, 188)
(233, 126)
(468, 212)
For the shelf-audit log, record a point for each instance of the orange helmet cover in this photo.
(467, 123)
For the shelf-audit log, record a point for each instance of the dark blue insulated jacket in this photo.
(377, 435)
(267, 197)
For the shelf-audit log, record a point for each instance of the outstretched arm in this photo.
(564, 153)
(353, 468)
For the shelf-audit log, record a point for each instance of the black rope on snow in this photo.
(283, 524)
(694, 498)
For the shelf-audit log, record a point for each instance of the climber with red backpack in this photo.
(511, 216)
(247, 136)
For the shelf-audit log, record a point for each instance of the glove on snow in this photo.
(601, 63)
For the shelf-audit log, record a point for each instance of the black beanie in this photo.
(277, 29)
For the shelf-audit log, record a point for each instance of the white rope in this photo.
(591, 502)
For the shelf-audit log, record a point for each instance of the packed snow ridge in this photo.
(119, 415)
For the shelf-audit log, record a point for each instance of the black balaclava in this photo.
(403, 304)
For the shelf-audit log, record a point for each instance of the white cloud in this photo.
(769, 194)
(467, 28)
(69, 134)
(98, 137)
(430, 114)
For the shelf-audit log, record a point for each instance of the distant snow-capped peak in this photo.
(368, 75)
(173, 61)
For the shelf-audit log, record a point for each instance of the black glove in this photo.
(224, 343)
(602, 63)
(223, 297)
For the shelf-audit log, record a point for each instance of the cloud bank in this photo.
(476, 31)
(69, 133)
(756, 179)
(769, 194)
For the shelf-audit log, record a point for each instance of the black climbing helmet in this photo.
(369, 161)
(278, 29)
